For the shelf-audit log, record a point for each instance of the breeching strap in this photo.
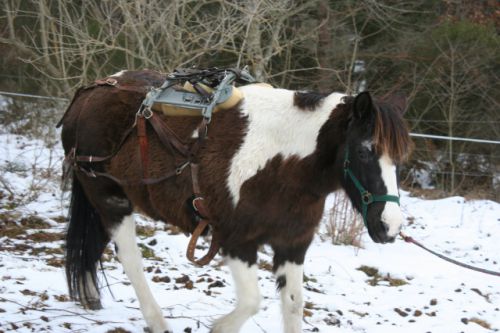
(366, 197)
(409, 239)
(168, 138)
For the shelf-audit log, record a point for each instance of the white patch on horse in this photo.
(130, 256)
(248, 297)
(291, 296)
(275, 127)
(368, 144)
(120, 73)
(391, 215)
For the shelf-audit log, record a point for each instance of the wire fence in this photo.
(453, 138)
(491, 158)
(13, 94)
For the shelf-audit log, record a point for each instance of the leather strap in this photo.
(146, 181)
(167, 136)
(212, 251)
(194, 176)
(202, 134)
(200, 208)
(143, 145)
(112, 82)
(91, 158)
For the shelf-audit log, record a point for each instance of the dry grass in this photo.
(480, 322)
(344, 226)
(376, 278)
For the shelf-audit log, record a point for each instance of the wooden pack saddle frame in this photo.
(221, 81)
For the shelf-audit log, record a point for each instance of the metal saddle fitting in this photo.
(194, 92)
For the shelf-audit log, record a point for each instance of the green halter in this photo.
(366, 197)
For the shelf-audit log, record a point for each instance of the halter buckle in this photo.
(366, 198)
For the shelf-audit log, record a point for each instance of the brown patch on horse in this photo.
(308, 100)
(274, 209)
(167, 200)
(287, 197)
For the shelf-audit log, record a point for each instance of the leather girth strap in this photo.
(203, 222)
(168, 137)
(143, 144)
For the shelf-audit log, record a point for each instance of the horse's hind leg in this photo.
(130, 256)
(110, 212)
(244, 270)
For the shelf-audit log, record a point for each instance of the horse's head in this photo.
(377, 140)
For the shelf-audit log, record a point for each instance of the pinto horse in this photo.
(265, 170)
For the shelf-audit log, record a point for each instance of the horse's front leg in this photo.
(244, 270)
(288, 268)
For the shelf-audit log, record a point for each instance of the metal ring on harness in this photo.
(181, 168)
(111, 81)
(195, 207)
(147, 113)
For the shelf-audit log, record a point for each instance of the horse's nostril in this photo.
(385, 226)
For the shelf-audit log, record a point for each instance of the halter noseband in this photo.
(366, 197)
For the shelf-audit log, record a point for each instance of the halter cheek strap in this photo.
(366, 197)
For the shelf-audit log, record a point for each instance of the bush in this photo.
(343, 224)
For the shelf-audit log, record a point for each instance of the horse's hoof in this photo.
(94, 304)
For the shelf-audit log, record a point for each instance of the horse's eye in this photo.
(364, 154)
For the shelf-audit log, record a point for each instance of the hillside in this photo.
(376, 288)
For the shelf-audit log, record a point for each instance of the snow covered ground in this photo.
(378, 288)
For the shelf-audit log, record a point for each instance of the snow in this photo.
(437, 297)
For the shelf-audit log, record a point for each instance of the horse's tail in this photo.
(86, 240)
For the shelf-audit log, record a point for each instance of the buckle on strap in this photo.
(346, 165)
(111, 81)
(181, 168)
(366, 198)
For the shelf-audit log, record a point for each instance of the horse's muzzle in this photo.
(378, 232)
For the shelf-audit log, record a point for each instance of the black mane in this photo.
(308, 100)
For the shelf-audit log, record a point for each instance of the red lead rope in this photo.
(409, 239)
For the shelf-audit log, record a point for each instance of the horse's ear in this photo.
(362, 106)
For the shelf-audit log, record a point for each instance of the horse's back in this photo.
(100, 114)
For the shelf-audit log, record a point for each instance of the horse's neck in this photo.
(277, 127)
(327, 159)
(283, 127)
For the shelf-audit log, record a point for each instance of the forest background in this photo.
(444, 55)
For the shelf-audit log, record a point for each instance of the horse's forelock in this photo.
(391, 135)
